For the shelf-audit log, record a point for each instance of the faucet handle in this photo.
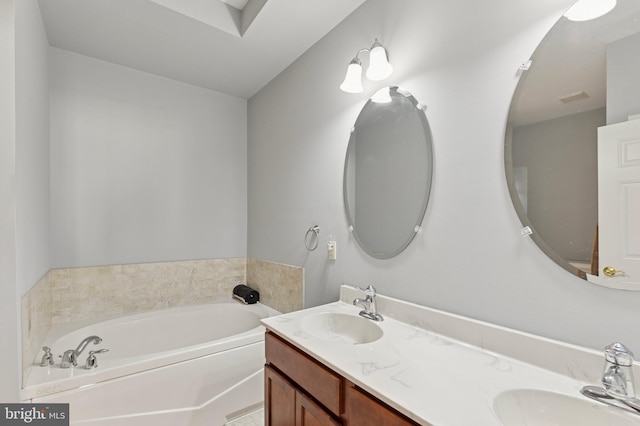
(369, 291)
(618, 354)
(92, 361)
(47, 358)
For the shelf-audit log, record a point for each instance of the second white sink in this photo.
(343, 328)
(530, 407)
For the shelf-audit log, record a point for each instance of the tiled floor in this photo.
(252, 419)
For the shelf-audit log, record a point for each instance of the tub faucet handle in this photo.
(92, 361)
(47, 358)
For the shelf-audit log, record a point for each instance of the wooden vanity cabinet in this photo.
(301, 391)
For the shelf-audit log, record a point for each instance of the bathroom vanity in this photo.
(329, 366)
(299, 390)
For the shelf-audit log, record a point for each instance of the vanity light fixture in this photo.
(585, 10)
(379, 68)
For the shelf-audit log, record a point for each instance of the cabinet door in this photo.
(308, 413)
(360, 409)
(315, 378)
(279, 399)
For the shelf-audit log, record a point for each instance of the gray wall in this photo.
(32, 147)
(460, 58)
(623, 68)
(143, 168)
(24, 178)
(560, 157)
(8, 302)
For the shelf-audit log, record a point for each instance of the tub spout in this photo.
(85, 342)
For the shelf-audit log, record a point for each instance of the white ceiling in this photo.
(208, 43)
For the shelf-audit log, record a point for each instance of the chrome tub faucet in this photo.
(369, 304)
(70, 357)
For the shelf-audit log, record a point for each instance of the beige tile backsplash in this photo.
(96, 292)
(280, 286)
(72, 294)
(36, 319)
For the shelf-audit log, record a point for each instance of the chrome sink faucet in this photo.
(618, 388)
(617, 378)
(70, 357)
(369, 304)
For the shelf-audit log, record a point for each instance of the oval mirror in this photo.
(387, 172)
(583, 76)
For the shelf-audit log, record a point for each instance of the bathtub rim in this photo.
(41, 381)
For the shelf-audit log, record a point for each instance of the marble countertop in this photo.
(431, 377)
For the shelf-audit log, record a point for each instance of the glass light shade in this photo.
(379, 66)
(353, 80)
(585, 10)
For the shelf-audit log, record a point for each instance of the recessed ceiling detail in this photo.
(207, 43)
(231, 16)
(238, 4)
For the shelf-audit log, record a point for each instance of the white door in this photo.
(619, 205)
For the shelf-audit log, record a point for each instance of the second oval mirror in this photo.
(572, 151)
(387, 172)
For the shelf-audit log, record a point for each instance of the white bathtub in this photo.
(185, 366)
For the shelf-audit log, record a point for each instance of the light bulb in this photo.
(585, 10)
(353, 80)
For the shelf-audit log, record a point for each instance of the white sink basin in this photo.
(343, 328)
(529, 407)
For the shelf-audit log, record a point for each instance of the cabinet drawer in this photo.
(314, 378)
(362, 409)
